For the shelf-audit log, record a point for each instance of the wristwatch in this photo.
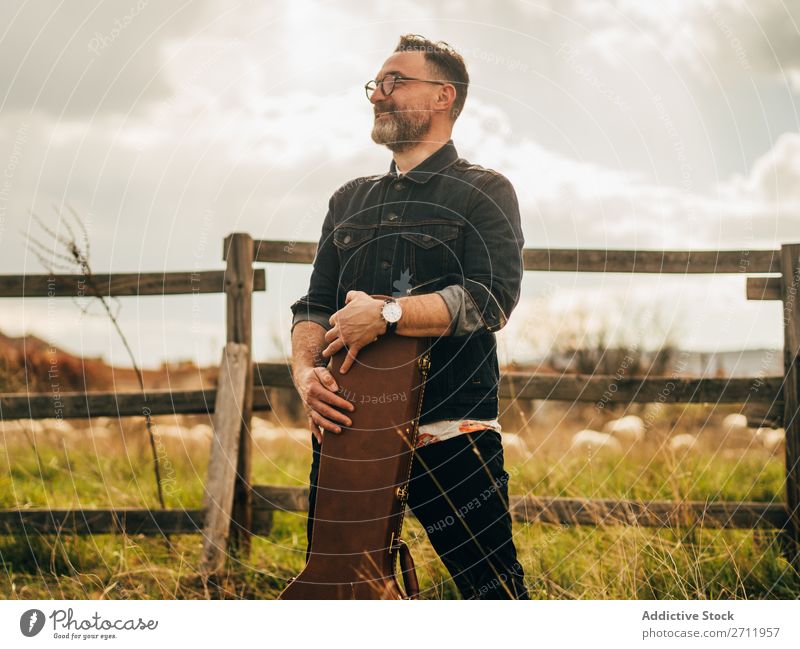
(391, 312)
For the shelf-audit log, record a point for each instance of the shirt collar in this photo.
(435, 163)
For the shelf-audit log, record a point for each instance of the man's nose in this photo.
(377, 94)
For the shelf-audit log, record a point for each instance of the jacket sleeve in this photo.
(319, 304)
(482, 298)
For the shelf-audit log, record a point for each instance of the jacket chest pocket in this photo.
(432, 250)
(352, 243)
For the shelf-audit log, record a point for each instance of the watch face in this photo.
(392, 312)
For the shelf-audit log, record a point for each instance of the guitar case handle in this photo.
(410, 582)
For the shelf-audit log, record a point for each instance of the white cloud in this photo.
(75, 60)
(257, 114)
(708, 38)
(774, 178)
(572, 202)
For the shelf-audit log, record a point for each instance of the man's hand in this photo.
(355, 326)
(318, 389)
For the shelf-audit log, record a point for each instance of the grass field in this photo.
(49, 470)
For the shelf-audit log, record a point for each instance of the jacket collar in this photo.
(435, 163)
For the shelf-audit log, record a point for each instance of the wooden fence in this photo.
(770, 401)
(231, 404)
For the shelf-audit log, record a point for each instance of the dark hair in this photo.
(446, 63)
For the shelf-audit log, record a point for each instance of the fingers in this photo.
(332, 334)
(329, 412)
(334, 340)
(322, 397)
(326, 390)
(333, 348)
(326, 424)
(349, 359)
(326, 378)
(351, 295)
(315, 430)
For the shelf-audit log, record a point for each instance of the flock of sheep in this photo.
(108, 428)
(623, 433)
(617, 435)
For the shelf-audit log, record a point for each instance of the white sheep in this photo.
(200, 432)
(263, 434)
(735, 432)
(629, 429)
(682, 442)
(263, 430)
(58, 426)
(274, 433)
(771, 439)
(734, 422)
(100, 432)
(592, 441)
(513, 444)
(31, 426)
(172, 432)
(11, 426)
(302, 435)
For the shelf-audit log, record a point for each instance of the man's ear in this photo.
(446, 97)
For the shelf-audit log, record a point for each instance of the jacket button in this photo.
(392, 216)
(347, 238)
(399, 186)
(385, 265)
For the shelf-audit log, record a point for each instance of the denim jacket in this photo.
(446, 226)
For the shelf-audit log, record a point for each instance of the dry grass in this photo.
(48, 469)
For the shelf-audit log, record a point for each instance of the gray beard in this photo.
(402, 130)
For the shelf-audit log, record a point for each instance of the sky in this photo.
(622, 124)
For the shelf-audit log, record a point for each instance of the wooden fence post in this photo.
(227, 420)
(238, 250)
(790, 284)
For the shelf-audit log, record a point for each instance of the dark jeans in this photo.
(459, 493)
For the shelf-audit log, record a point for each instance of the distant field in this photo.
(50, 470)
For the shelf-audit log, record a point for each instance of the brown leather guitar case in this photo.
(363, 478)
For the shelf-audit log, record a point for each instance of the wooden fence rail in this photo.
(762, 398)
(121, 284)
(766, 392)
(528, 509)
(582, 511)
(82, 405)
(237, 282)
(767, 401)
(583, 260)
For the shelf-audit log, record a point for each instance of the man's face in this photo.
(404, 117)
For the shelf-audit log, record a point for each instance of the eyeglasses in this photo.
(387, 84)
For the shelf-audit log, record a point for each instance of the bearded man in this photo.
(443, 237)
